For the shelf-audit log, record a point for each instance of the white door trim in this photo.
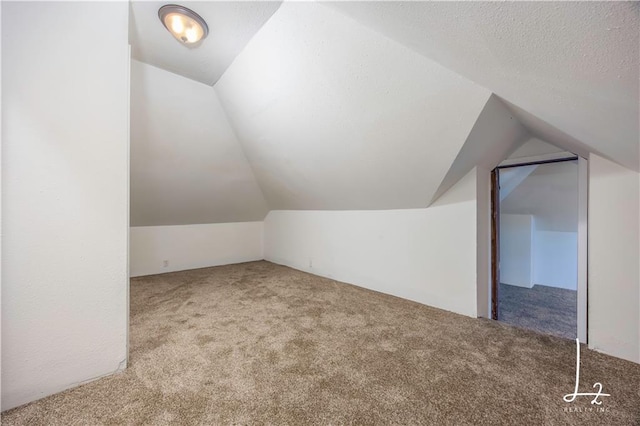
(583, 205)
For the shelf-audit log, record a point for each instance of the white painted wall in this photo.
(65, 200)
(335, 116)
(193, 246)
(1, 221)
(516, 249)
(186, 163)
(483, 237)
(583, 246)
(555, 259)
(614, 257)
(426, 255)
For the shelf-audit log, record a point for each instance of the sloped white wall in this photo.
(185, 247)
(334, 116)
(65, 197)
(572, 64)
(187, 166)
(511, 178)
(426, 255)
(494, 136)
(535, 147)
(550, 193)
(614, 259)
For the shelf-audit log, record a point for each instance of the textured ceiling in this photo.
(572, 66)
(231, 26)
(376, 105)
(334, 116)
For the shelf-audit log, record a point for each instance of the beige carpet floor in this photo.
(259, 343)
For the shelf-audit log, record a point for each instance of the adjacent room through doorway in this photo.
(538, 235)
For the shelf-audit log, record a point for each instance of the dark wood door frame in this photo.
(495, 232)
(495, 241)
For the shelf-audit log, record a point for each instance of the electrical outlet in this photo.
(165, 263)
(310, 263)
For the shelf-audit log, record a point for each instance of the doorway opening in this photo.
(539, 246)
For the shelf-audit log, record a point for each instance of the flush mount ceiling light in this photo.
(185, 25)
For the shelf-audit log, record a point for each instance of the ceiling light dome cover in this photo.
(184, 24)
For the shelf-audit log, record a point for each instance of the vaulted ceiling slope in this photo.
(231, 26)
(495, 135)
(571, 68)
(369, 105)
(334, 116)
(186, 164)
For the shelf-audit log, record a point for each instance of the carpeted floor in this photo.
(259, 343)
(544, 309)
